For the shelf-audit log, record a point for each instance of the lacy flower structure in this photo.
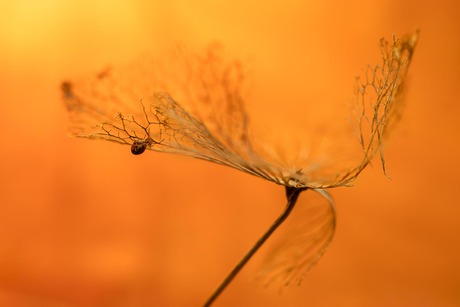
(195, 107)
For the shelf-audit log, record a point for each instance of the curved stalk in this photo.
(291, 194)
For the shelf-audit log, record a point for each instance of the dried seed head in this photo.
(218, 129)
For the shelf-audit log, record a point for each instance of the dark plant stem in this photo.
(291, 194)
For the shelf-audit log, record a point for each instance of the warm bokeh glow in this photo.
(86, 223)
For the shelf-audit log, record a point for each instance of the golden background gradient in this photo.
(86, 223)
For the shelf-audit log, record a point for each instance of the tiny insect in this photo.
(138, 147)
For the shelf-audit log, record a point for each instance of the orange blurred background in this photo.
(86, 223)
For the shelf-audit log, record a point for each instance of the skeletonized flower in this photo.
(151, 115)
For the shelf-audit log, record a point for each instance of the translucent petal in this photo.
(376, 106)
(303, 239)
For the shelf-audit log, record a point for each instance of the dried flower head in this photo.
(115, 106)
(104, 108)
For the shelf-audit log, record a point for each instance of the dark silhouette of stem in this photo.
(291, 194)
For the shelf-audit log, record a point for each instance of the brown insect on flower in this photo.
(216, 129)
(138, 147)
